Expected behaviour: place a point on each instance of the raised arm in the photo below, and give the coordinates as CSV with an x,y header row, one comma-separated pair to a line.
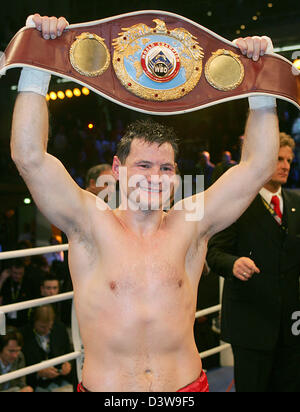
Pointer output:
x,y
229,197
55,193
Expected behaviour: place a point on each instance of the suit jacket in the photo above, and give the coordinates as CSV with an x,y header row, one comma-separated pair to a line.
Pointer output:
x,y
9,298
258,313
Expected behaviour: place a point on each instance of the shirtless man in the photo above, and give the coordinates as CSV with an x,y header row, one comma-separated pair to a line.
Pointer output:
x,y
135,273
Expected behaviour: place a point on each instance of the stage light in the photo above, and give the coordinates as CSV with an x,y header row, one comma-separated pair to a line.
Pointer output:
x,y
60,95
53,96
85,91
90,126
69,93
27,201
77,92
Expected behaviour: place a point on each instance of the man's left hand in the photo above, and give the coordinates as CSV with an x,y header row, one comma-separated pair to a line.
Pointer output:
x,y
254,47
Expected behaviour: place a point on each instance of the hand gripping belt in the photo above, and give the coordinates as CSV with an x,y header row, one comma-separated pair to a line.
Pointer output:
x,y
154,62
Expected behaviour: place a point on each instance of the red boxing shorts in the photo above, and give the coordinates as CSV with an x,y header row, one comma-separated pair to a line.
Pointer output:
x,y
81,388
199,385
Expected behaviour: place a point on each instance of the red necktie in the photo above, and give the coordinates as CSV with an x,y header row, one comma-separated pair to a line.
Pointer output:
x,y
276,205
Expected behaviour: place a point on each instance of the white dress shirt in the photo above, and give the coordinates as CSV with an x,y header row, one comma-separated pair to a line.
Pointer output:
x,y
267,195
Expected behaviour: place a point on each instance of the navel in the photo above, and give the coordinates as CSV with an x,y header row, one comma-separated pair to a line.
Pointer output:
x,y
180,282
112,285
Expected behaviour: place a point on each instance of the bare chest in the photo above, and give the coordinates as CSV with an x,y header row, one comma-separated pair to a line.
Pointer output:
x,y
136,288
126,265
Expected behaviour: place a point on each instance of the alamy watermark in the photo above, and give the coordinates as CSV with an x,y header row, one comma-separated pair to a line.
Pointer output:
x,y
139,192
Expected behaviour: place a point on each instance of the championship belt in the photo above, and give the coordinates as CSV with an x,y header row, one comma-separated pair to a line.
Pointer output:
x,y
154,62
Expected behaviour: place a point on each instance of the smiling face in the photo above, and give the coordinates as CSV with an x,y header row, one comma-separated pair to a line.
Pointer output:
x,y
150,173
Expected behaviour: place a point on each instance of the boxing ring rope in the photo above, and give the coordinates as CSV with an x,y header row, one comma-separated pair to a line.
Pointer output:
x,y
39,366
27,304
78,353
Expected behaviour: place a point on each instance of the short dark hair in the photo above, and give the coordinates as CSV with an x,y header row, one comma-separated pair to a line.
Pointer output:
x,y
148,131
95,172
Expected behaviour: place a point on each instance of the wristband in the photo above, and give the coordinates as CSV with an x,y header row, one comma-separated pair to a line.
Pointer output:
x,y
32,80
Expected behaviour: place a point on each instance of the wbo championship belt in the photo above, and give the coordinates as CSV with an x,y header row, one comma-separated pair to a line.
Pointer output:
x,y
154,62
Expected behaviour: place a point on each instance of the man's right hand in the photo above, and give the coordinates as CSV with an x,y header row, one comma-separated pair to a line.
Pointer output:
x,y
49,373
50,27
244,268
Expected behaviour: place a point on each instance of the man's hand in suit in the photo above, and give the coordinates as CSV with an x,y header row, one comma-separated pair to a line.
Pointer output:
x,y
244,268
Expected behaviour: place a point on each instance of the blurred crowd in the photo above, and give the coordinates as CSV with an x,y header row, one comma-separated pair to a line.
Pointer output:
x,y
36,334
42,333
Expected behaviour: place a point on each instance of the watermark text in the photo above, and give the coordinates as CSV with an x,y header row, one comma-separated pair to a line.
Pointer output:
x,y
152,193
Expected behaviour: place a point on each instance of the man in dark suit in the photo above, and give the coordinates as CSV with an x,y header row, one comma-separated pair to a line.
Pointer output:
x,y
259,257
15,288
45,338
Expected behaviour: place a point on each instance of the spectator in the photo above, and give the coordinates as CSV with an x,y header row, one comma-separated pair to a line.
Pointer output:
x,y
50,287
108,188
93,174
46,338
205,167
236,149
223,166
15,289
12,359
